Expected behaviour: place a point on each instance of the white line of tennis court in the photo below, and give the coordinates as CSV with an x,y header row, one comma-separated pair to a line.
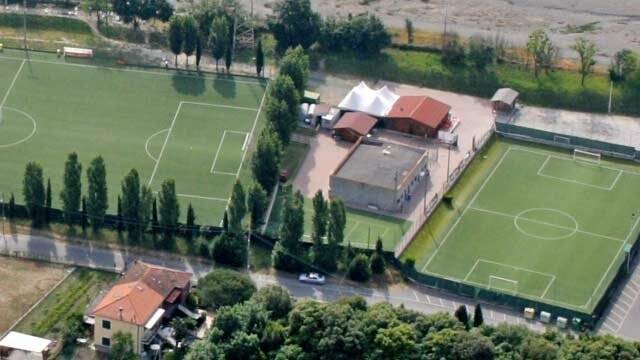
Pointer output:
x,y
544,223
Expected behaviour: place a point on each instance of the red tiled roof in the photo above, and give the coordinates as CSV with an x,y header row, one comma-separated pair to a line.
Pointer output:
x,y
140,292
357,121
423,109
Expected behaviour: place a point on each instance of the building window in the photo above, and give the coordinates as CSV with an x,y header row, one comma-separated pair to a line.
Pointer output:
x,y
106,324
106,342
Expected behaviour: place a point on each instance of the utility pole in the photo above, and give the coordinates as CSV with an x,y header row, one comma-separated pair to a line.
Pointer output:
x,y
4,219
448,161
24,22
444,32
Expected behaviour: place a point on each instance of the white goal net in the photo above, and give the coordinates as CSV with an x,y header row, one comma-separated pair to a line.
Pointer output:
x,y
503,284
561,139
587,156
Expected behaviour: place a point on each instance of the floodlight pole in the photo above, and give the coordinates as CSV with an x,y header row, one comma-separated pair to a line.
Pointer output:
x,y
448,161
444,32
4,219
24,22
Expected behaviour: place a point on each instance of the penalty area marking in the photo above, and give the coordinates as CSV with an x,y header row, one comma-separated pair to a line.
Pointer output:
x,y
33,131
215,158
146,144
549,157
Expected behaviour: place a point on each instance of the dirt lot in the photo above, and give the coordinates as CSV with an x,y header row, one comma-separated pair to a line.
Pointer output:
x,y
615,23
23,284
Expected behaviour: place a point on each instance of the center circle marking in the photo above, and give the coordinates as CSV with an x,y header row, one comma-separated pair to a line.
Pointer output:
x,y
33,124
521,217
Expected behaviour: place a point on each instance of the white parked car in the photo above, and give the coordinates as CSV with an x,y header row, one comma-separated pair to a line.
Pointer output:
x,y
312,278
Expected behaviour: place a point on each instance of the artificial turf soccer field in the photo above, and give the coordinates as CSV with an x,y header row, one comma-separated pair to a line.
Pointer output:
x,y
197,130
542,225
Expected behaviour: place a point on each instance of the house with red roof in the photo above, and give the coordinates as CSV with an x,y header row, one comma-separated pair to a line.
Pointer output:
x,y
137,303
418,115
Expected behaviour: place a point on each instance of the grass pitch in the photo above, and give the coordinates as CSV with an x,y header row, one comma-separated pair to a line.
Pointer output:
x,y
538,224
195,129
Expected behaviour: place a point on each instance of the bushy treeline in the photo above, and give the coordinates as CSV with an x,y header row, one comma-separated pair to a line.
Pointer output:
x,y
272,326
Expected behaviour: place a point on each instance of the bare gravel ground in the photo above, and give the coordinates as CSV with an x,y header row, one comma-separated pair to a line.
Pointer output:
x,y
617,22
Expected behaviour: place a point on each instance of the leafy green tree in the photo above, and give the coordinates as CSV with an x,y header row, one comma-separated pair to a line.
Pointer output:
x,y
289,352
295,64
154,215
237,208
320,218
408,27
335,231
128,10
586,50
223,287
294,23
169,210
204,350
481,52
453,52
119,220
198,51
47,202
623,65
259,58
225,222
283,259
176,36
190,42
368,35
541,50
275,299
282,109
191,223
131,203
243,346
256,204
219,38
71,193
398,342
293,222
84,222
146,207
122,347
462,315
472,346
378,266
538,348
228,58
359,269
478,318
11,208
230,249
33,192
265,163
182,327
97,200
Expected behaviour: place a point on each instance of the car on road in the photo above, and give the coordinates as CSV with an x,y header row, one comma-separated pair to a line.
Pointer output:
x,y
312,278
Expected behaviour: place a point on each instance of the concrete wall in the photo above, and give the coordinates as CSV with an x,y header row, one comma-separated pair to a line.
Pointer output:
x,y
136,332
360,194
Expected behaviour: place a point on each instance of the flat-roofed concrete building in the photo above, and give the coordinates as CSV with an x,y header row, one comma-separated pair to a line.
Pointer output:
x,y
378,176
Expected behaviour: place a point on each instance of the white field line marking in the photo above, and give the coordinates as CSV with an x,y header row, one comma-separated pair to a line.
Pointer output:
x,y
203,197
616,180
352,230
13,82
224,173
517,268
609,188
253,128
164,145
472,268
220,106
171,73
466,208
548,287
215,158
545,223
244,143
146,144
517,148
635,224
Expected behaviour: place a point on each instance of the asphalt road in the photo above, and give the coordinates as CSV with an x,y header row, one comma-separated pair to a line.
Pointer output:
x,y
416,297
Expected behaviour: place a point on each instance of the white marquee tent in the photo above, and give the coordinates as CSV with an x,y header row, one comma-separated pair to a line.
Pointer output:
x,y
373,102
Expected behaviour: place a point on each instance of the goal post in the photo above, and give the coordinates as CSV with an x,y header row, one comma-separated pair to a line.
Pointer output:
x,y
582,155
503,284
561,139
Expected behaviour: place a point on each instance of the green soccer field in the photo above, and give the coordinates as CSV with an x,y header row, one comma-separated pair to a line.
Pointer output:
x,y
541,225
195,129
